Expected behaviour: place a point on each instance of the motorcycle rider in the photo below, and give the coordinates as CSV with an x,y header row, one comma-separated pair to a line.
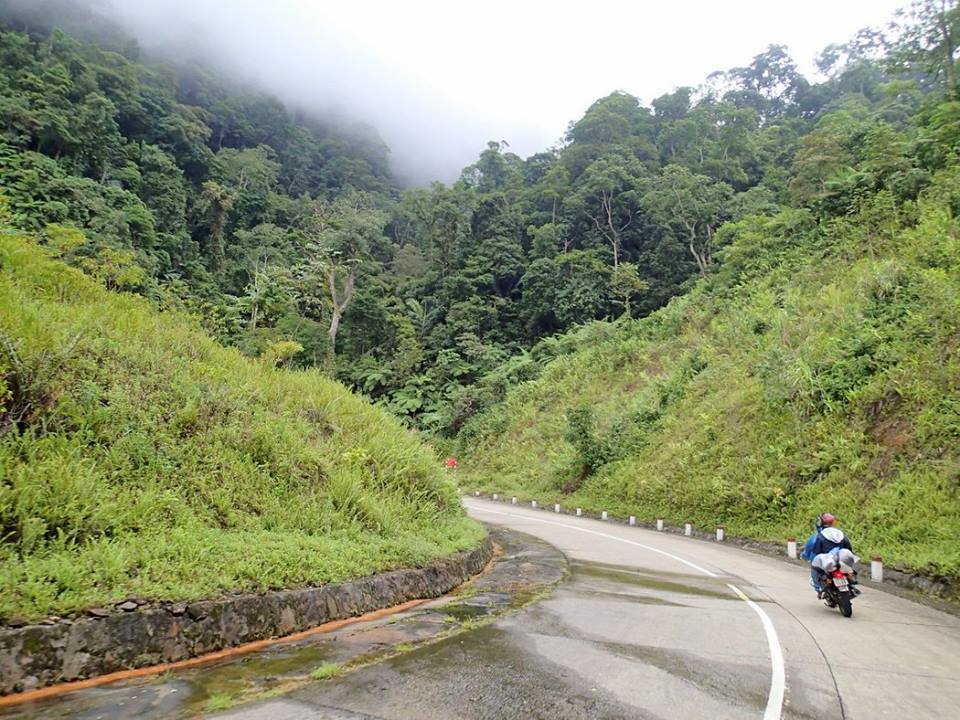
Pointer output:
x,y
826,539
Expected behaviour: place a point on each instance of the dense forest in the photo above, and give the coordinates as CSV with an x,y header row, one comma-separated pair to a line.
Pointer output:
x,y
288,238
814,366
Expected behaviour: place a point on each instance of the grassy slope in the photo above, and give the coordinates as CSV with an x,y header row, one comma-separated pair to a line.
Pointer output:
x,y
818,370
152,461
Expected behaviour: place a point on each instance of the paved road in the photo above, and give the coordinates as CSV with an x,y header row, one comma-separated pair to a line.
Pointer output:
x,y
893,659
660,626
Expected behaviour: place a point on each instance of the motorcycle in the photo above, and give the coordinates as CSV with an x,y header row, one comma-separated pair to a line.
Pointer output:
x,y
839,581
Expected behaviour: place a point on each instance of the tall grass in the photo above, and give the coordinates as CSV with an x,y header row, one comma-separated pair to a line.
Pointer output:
x,y
139,457
818,370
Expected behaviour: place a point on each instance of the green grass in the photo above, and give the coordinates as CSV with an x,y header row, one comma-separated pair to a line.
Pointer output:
x,y
219,701
326,671
475,623
137,456
819,369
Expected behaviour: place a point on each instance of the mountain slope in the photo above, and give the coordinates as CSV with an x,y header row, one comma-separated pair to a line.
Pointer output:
x,y
138,456
817,370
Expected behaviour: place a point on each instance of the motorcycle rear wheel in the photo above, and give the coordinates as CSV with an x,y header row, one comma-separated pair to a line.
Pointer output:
x,y
846,607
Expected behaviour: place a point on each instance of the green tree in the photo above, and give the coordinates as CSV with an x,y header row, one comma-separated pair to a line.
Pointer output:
x,y
555,186
607,194
441,217
341,235
825,154
565,290
928,41
771,84
218,201
692,204
626,284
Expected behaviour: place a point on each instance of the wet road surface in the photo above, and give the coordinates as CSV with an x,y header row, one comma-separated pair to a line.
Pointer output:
x,y
525,569
659,626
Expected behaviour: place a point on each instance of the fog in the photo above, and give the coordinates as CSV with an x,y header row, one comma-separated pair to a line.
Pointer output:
x,y
439,79
314,61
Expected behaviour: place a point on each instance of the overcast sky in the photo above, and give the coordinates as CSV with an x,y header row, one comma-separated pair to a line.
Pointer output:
x,y
438,79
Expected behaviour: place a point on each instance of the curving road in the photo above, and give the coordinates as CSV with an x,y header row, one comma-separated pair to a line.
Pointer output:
x,y
658,626
679,628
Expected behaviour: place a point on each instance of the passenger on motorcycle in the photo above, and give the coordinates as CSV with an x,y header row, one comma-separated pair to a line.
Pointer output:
x,y
826,539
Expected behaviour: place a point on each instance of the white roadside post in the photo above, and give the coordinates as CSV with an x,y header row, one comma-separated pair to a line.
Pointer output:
x,y
513,501
579,512
556,507
496,497
660,524
792,548
632,520
476,493
720,534
603,515
876,568
533,504
688,529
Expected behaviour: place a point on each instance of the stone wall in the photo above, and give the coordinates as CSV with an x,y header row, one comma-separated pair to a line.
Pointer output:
x,y
132,636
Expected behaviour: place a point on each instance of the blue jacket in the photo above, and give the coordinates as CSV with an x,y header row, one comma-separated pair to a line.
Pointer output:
x,y
807,553
818,544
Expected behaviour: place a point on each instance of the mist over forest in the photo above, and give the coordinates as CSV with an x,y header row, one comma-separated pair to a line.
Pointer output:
x,y
310,66
404,73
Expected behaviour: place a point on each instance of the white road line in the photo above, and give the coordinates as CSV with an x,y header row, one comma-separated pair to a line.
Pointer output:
x,y
778,675
594,532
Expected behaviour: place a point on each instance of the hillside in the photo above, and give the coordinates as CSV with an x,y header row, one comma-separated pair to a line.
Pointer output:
x,y
269,224
137,456
816,370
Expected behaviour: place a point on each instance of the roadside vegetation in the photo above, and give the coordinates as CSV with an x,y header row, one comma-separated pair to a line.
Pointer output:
x,y
326,671
814,368
139,457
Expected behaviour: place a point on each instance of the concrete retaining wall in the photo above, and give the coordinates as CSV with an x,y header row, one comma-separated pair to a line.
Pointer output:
x,y
37,655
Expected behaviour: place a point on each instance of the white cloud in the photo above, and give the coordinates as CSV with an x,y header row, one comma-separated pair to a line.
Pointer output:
x,y
439,79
